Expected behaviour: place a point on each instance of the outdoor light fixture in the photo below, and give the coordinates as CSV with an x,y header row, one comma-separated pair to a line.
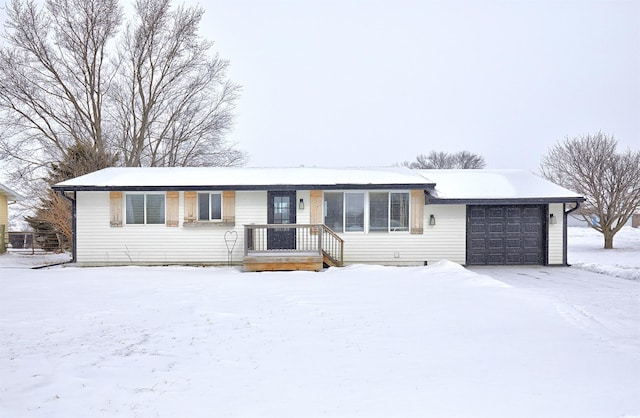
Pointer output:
x,y
301,204
432,220
552,219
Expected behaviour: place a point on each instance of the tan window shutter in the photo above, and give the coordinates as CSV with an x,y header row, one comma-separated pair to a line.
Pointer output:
x,y
173,208
115,204
229,206
417,211
315,205
190,206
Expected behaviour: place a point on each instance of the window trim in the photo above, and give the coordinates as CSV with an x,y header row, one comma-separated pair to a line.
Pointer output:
x,y
145,222
209,193
367,211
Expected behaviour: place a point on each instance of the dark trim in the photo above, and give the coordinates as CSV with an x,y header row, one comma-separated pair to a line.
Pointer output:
x,y
497,201
546,226
346,186
564,234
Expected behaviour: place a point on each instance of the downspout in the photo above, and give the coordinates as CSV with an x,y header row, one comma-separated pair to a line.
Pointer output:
x,y
564,232
73,223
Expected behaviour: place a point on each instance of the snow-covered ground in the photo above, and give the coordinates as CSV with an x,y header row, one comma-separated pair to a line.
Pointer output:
x,y
361,341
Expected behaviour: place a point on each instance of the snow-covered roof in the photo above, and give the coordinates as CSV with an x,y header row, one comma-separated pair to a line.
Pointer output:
x,y
494,185
11,195
245,178
450,185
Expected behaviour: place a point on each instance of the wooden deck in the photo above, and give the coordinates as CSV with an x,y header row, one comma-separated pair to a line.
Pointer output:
x,y
315,247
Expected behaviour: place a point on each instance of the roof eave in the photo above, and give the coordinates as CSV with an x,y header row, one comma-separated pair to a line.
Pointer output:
x,y
504,201
262,187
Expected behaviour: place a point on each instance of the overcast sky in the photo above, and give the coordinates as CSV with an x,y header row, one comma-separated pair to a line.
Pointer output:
x,y
354,82
370,83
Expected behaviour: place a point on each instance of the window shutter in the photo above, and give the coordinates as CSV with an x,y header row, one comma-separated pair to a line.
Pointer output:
x,y
229,206
190,206
173,207
115,204
315,207
417,211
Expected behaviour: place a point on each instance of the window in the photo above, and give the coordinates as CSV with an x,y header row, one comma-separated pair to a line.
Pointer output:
x,y
209,206
334,211
145,208
399,219
385,211
378,212
354,213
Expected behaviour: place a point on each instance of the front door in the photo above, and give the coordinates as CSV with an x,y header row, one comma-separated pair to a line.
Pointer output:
x,y
282,210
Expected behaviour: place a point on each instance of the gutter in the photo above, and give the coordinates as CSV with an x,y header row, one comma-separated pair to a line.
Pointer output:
x,y
73,222
564,231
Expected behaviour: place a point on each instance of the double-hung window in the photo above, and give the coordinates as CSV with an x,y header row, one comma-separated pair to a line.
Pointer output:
x,y
210,206
145,208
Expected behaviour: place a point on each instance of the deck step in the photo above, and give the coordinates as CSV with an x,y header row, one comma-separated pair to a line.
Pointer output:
x,y
287,262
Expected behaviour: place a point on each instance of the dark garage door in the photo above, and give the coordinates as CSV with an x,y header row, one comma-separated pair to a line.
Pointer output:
x,y
505,235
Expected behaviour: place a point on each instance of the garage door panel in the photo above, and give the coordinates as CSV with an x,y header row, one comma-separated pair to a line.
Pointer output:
x,y
496,212
504,235
513,228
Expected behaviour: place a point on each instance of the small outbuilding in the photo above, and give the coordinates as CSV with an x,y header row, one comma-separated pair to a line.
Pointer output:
x,y
308,217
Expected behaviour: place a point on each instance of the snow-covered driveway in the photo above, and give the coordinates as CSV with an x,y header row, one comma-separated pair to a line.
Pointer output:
x,y
606,306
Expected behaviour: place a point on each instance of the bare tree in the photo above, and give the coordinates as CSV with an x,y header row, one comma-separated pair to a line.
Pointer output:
x,y
444,160
468,160
610,181
52,78
173,101
161,100
51,220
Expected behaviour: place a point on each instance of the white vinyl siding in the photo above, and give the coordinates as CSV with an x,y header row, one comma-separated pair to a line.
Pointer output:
x,y
556,234
101,244
444,241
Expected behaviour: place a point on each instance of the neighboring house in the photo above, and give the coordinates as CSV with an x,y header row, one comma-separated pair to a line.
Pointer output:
x,y
7,196
300,218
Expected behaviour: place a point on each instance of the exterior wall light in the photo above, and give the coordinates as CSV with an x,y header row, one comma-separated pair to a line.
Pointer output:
x,y
301,204
432,220
552,219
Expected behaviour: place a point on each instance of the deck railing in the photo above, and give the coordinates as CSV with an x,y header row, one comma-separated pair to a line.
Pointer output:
x,y
294,238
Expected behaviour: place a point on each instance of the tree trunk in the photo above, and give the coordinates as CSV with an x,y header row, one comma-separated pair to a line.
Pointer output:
x,y
608,240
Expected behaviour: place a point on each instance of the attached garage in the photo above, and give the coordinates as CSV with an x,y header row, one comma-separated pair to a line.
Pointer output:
x,y
512,216
506,234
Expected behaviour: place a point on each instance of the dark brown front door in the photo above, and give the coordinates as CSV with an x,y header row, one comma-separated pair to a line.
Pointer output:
x,y
282,210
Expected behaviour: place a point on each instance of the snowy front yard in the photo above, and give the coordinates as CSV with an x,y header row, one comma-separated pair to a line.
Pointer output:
x,y
361,341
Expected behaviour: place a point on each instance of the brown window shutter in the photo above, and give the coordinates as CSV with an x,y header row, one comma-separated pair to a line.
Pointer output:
x,y
229,206
417,211
173,208
190,206
115,204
